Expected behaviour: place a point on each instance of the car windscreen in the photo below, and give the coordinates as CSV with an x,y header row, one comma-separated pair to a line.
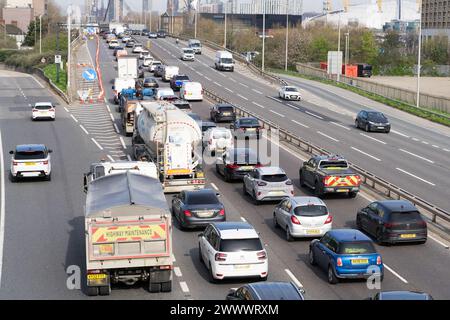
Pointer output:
x,y
376,117
292,89
195,44
226,109
361,247
333,164
43,107
311,211
405,216
249,123
188,51
32,155
221,135
227,60
202,198
237,245
274,177
179,78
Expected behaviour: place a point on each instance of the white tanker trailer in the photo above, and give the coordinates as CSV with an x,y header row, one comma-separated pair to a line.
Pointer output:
x,y
172,140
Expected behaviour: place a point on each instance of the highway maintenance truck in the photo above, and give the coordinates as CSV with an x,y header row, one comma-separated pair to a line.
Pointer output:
x,y
172,140
128,234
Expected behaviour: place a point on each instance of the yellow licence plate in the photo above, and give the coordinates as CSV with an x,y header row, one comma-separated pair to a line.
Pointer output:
x,y
360,261
242,266
96,276
407,236
341,190
30,163
313,231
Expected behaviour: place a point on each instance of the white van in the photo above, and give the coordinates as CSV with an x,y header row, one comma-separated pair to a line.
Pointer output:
x,y
224,61
169,72
195,45
191,91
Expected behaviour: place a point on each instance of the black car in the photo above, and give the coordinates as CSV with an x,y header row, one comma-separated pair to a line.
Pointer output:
x,y
150,82
182,105
177,81
158,71
222,113
235,163
391,221
117,49
161,34
130,44
169,98
370,120
198,208
401,295
267,291
207,125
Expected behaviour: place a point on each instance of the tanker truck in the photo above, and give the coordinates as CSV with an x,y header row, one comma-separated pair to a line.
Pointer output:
x,y
172,140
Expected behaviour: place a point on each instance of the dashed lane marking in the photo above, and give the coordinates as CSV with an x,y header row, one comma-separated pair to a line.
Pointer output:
x,y
243,219
184,287
279,114
229,90
291,275
115,127
365,135
84,129
327,136
217,84
259,92
128,157
177,272
257,104
341,126
314,115
414,176
123,142
365,153
400,134
75,119
395,273
417,156
214,186
241,96
98,145
438,241
300,124
110,158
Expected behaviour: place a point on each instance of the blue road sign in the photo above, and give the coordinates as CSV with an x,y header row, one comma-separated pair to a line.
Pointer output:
x,y
89,74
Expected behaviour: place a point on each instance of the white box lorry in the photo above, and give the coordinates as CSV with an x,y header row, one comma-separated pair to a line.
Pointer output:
x,y
127,67
128,234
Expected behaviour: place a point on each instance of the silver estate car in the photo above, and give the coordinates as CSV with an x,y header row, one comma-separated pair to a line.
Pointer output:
x,y
268,184
302,217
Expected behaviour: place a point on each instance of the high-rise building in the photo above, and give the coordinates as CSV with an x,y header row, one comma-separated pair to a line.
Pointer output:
x,y
436,18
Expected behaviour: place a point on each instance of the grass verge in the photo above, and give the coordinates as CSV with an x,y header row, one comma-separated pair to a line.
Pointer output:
x,y
50,72
434,115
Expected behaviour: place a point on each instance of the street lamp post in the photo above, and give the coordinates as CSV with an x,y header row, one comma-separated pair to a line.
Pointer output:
x,y
40,34
287,35
419,60
339,44
264,36
347,47
196,18
225,27
69,27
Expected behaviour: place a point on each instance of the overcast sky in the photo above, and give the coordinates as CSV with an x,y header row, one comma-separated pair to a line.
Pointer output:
x,y
160,5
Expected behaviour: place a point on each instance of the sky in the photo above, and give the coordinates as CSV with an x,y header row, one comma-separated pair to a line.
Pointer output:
x,y
160,5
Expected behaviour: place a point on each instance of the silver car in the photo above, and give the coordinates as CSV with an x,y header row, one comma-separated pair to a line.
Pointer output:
x,y
268,184
246,128
302,217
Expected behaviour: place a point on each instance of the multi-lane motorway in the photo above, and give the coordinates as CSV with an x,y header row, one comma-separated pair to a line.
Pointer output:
x,y
43,221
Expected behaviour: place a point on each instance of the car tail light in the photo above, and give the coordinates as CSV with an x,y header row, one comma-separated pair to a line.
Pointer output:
x,y
379,260
259,193
262,183
258,165
220,256
222,212
51,109
339,262
187,213
165,267
232,166
210,141
329,219
262,255
35,110
15,163
45,162
289,183
292,192
422,223
325,180
295,220
389,225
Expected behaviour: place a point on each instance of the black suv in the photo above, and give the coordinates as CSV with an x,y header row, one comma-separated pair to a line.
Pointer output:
x,y
391,221
370,120
222,113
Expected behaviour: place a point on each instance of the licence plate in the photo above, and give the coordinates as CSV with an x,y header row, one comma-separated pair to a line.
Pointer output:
x,y
341,190
30,163
96,276
360,261
242,266
226,113
205,214
380,127
251,129
408,236
246,168
313,231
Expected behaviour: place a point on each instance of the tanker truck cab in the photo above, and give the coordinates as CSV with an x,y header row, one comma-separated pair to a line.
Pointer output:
x,y
128,234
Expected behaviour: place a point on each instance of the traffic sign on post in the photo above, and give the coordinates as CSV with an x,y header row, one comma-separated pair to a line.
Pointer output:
x,y
57,58
89,74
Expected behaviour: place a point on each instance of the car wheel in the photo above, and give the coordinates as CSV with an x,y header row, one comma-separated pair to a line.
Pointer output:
x,y
289,235
379,236
275,221
312,258
200,257
317,191
358,223
301,179
48,178
13,178
332,279
255,199
166,286
352,194
104,290
211,275
217,169
387,130
227,176
244,189
154,287
356,124
367,128
92,291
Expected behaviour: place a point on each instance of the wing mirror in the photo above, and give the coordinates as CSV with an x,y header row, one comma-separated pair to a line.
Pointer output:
x,y
50,150
11,152
113,87
200,235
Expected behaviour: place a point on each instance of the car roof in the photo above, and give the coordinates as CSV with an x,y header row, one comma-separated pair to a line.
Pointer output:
x,y
275,291
348,235
404,295
235,230
30,147
290,87
227,105
397,205
220,129
38,104
271,170
304,201
200,192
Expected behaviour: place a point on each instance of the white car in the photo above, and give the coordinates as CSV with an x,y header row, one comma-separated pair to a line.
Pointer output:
x,y
113,44
138,48
144,54
162,92
217,140
232,250
268,184
302,217
187,54
43,110
153,65
125,39
289,93
147,61
31,160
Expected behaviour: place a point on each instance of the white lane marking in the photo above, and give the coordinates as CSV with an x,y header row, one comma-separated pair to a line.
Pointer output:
x,y
414,176
435,146
438,241
207,78
400,134
340,125
243,219
184,287
292,106
232,79
2,205
244,85
84,129
259,92
325,135
111,158
214,186
446,150
112,117
369,155
75,119
217,84
67,110
415,139
242,97
229,90
257,104
395,273
107,107
98,145
415,155
40,84
279,114
115,127
275,99
128,157
314,115
200,74
123,142
173,258
424,142
300,124
296,281
365,135
177,272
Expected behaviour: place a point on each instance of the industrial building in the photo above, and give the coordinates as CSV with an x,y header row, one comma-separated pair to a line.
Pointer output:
x,y
436,18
